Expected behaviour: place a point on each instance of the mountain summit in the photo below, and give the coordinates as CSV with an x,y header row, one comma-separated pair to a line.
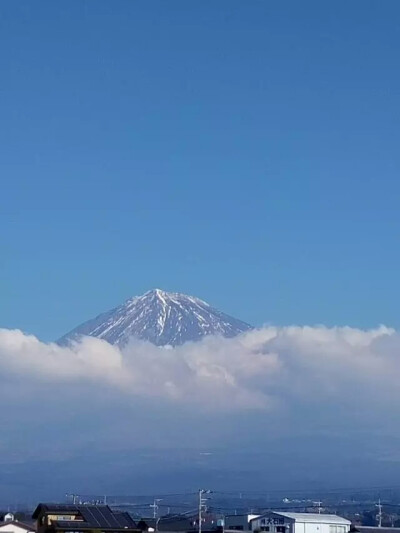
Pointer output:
x,y
163,318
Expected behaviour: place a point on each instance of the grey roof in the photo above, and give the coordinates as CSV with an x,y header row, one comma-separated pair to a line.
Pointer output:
x,y
94,516
168,523
102,516
311,517
242,514
56,507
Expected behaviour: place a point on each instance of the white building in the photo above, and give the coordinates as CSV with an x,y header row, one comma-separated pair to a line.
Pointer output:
x,y
282,522
12,526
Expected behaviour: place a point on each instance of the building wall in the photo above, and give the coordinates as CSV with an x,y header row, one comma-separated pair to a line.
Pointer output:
x,y
312,527
273,523
55,517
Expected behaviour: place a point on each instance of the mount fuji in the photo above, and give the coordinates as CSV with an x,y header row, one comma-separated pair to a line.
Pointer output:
x,y
162,318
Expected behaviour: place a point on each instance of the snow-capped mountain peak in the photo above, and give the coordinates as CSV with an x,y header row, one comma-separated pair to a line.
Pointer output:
x,y
163,318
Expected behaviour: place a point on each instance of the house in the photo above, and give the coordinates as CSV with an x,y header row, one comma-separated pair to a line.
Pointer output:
x,y
63,518
282,522
7,517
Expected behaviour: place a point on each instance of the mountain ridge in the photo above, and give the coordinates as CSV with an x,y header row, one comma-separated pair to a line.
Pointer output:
x,y
160,317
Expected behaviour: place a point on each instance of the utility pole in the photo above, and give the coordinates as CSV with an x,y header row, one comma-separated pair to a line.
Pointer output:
x,y
202,502
379,515
74,498
155,506
200,508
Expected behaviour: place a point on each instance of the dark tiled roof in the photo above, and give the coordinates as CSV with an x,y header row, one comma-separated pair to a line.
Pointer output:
x,y
171,523
94,516
56,507
102,516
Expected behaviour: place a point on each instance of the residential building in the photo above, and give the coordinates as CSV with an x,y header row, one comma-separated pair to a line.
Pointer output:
x,y
61,518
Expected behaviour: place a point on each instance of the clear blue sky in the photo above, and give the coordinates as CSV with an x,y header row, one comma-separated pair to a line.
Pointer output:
x,y
247,152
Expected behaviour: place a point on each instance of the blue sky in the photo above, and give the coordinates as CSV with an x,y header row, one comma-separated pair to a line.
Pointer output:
x,y
244,152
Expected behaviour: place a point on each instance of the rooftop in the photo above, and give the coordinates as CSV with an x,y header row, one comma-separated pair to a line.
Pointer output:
x,y
90,516
313,517
22,525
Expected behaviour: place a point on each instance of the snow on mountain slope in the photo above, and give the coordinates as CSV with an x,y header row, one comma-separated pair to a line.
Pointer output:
x,y
163,318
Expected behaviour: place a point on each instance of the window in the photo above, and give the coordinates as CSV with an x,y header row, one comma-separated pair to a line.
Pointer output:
x,y
337,529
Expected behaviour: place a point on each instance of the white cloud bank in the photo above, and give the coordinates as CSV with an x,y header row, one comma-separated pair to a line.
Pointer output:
x,y
270,368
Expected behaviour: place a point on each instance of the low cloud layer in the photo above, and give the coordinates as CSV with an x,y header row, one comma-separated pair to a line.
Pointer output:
x,y
299,400
269,369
